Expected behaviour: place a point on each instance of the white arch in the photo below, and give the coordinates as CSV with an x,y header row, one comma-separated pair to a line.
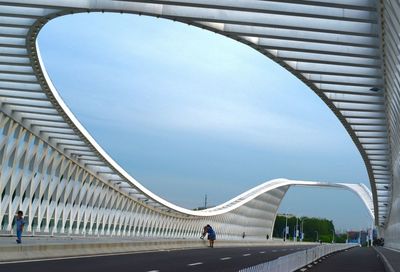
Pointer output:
x,y
359,189
334,47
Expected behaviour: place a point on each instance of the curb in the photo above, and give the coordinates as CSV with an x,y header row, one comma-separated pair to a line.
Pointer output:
x,y
50,251
386,263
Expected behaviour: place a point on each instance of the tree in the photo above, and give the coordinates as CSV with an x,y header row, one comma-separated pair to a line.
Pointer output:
x,y
311,226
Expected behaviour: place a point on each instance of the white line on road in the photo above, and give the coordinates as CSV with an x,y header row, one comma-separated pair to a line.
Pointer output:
x,y
262,252
247,254
193,264
225,258
154,271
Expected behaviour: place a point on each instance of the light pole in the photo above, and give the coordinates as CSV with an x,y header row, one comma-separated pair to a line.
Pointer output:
x,y
302,229
317,234
286,231
296,233
372,232
333,236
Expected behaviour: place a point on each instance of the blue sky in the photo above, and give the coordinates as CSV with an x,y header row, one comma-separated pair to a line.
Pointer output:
x,y
188,112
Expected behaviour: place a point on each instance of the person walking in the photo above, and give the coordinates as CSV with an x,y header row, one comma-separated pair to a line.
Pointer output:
x,y
20,222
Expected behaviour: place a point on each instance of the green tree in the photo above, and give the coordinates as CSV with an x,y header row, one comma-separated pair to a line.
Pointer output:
x,y
311,226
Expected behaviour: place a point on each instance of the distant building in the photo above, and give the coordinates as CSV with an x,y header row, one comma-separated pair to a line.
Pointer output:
x,y
360,237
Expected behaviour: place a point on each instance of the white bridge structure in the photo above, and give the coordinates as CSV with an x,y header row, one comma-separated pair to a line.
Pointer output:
x,y
346,51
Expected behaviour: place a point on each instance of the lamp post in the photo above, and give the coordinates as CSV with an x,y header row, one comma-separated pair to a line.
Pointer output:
x,y
302,229
333,236
372,233
317,234
284,239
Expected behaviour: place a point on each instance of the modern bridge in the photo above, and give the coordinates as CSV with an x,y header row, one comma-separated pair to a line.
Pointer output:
x,y
346,51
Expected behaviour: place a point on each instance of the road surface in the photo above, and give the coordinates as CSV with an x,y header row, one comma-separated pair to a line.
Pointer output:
x,y
206,259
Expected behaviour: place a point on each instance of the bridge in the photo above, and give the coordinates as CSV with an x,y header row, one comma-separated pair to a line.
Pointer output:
x,y
52,168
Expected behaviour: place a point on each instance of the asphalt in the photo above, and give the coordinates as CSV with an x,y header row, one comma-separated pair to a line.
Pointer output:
x,y
353,260
207,259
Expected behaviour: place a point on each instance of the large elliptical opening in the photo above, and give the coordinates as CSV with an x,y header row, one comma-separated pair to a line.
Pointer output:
x,y
215,129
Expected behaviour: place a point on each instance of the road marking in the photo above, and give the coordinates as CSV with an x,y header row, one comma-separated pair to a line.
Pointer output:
x,y
225,258
262,252
154,271
303,269
274,250
193,264
247,254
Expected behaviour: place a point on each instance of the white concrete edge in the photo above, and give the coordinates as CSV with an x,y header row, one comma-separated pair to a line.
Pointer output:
x,y
385,261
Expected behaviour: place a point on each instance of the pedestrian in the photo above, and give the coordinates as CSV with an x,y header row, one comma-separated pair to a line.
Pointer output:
x,y
20,222
211,234
243,234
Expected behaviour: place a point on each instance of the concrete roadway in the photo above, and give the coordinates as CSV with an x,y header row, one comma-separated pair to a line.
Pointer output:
x,y
206,259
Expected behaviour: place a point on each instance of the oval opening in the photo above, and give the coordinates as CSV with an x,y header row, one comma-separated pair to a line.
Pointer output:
x,y
191,113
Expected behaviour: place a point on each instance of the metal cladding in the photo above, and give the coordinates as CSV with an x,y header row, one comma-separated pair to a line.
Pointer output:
x,y
390,16
344,50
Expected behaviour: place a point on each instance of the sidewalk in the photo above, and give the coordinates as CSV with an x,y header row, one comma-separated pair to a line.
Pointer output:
x,y
390,258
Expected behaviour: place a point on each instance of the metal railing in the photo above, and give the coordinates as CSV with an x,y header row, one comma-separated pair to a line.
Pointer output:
x,y
298,260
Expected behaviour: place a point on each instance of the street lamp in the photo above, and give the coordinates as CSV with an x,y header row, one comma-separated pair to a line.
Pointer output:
x,y
302,229
317,234
333,235
284,239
